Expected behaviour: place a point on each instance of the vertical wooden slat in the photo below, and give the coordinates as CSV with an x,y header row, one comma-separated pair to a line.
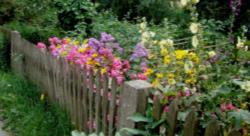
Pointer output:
x,y
190,125
79,98
105,104
85,99
112,108
172,117
213,128
98,103
90,100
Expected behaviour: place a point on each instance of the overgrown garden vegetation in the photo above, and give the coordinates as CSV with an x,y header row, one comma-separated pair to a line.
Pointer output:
x,y
189,49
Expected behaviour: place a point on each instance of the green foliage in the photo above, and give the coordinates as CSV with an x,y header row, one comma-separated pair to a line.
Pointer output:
x,y
75,15
4,52
33,33
25,114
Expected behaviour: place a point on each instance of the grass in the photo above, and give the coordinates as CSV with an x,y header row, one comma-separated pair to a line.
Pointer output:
x,y
23,112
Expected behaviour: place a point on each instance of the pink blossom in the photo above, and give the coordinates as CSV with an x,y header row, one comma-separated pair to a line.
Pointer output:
x,y
166,109
133,76
230,106
115,73
187,93
142,76
41,45
120,79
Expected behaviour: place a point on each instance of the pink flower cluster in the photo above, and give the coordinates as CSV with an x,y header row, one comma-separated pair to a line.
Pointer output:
x,y
227,107
94,53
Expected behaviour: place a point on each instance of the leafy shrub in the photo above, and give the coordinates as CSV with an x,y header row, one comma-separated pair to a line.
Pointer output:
x,y
4,52
33,33
75,15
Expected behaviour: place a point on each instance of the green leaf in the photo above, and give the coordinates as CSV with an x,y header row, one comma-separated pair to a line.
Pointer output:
x,y
137,117
240,116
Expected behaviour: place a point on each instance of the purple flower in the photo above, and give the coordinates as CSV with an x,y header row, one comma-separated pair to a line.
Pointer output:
x,y
94,43
139,52
107,37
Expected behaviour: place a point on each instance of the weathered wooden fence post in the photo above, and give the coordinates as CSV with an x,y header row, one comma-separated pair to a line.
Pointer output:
x,y
16,56
133,100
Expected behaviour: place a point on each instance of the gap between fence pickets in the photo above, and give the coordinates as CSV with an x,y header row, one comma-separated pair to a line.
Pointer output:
x,y
133,97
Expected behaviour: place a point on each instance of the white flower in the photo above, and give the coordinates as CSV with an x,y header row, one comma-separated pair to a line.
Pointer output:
x,y
195,41
184,3
194,27
143,25
167,42
211,54
240,43
245,86
195,1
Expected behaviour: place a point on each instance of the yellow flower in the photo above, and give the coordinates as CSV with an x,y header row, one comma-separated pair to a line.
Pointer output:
x,y
155,83
170,75
195,41
193,57
82,49
103,70
180,54
148,72
166,59
159,75
171,82
194,28
76,42
164,52
94,55
68,40
85,41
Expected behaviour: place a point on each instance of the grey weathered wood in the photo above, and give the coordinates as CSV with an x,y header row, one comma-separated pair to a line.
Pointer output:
x,y
172,117
105,104
157,107
90,102
133,100
112,108
213,128
190,125
84,99
98,103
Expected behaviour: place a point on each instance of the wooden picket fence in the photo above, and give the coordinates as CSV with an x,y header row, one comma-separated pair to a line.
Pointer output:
x,y
95,102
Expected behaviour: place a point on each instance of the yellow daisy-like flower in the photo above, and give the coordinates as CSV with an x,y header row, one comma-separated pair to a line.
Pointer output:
x,y
103,70
164,52
211,54
180,54
171,75
171,82
155,83
166,59
76,43
85,41
82,49
94,55
159,75
148,72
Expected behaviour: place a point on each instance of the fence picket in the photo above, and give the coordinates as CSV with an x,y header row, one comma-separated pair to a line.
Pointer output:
x,y
172,117
190,125
112,107
105,104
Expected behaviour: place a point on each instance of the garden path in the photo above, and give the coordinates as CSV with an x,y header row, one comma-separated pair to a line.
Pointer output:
x,y
3,133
